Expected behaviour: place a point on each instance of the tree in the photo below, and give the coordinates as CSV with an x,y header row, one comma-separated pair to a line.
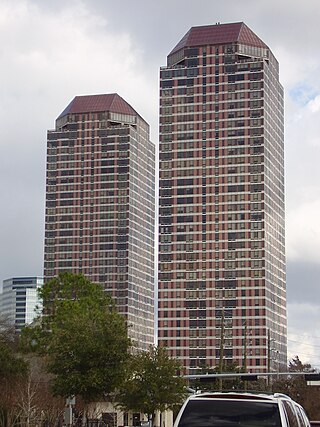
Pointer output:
x,y
34,400
153,383
82,337
295,365
297,388
13,372
11,365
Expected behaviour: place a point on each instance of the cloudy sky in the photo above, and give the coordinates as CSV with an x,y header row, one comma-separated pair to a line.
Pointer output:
x,y
52,50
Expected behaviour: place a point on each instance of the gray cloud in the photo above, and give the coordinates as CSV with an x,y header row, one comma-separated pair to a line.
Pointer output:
x,y
303,297
303,283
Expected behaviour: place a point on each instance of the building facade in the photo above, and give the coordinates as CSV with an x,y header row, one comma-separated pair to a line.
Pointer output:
x,y
222,290
100,204
19,300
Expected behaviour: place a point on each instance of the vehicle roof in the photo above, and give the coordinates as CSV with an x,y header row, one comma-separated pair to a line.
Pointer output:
x,y
240,396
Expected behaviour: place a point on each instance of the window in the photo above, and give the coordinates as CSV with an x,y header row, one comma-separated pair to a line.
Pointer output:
x,y
222,412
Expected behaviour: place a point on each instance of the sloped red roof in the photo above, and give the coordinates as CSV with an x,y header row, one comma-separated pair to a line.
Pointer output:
x,y
219,34
96,103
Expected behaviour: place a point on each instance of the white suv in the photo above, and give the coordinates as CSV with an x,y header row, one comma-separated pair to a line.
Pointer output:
x,y
241,410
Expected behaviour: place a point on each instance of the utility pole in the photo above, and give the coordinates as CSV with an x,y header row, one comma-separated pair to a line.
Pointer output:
x,y
269,359
221,349
245,348
245,353
68,412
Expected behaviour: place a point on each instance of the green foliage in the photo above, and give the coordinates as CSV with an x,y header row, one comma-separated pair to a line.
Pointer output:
x,y
11,365
82,336
152,383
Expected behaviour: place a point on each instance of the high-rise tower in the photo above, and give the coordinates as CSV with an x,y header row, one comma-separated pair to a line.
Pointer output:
x,y
100,204
222,291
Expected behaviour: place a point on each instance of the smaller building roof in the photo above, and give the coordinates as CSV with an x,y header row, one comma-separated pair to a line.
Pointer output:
x,y
219,34
98,103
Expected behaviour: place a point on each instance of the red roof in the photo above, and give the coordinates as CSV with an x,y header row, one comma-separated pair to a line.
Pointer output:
x,y
98,103
219,34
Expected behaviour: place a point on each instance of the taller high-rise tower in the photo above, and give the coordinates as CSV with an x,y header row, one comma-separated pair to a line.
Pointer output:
x,y
100,204
222,291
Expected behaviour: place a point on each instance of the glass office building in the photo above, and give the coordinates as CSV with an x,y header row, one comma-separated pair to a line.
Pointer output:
x,y
19,300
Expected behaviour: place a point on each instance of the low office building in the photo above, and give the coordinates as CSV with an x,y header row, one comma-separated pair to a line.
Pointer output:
x,y
19,299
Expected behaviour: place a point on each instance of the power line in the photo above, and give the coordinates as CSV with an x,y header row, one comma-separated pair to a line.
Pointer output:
x,y
297,353
312,376
299,342
306,354
307,336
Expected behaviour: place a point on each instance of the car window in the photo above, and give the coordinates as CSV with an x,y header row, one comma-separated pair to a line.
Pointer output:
x,y
222,413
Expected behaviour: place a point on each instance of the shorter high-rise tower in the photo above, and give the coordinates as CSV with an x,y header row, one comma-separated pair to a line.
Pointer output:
x,y
100,204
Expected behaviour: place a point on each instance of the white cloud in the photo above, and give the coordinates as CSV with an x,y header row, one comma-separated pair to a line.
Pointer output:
x,y
302,183
52,56
303,333
314,104
49,56
303,232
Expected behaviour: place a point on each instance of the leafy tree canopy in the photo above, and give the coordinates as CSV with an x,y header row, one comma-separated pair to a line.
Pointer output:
x,y
11,365
82,336
295,365
297,388
152,383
